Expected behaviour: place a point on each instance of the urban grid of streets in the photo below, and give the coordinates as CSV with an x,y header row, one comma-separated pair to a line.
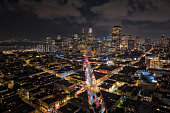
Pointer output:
x,y
82,84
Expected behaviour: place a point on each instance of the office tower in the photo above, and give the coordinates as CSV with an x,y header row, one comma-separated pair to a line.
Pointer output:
x,y
137,40
70,44
75,36
53,46
75,42
104,44
90,42
90,38
148,44
58,43
50,45
83,38
58,37
124,42
162,43
109,43
97,45
47,44
40,48
131,44
83,42
64,45
167,45
162,40
116,37
137,43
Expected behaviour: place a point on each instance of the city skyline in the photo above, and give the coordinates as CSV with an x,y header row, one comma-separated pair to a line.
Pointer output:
x,y
85,56
37,19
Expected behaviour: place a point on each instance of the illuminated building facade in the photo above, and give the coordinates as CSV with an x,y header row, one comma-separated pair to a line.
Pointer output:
x,y
70,44
83,42
124,42
163,41
90,37
50,45
148,44
116,37
58,42
156,64
40,48
83,39
131,44
152,62
137,43
165,45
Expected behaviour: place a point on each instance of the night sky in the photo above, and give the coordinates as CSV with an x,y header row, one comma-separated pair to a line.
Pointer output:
x,y
36,19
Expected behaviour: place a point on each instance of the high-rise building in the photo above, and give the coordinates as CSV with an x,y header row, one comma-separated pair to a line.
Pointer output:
x,y
109,44
148,44
90,37
116,37
53,46
50,45
58,42
83,37
40,48
164,45
65,45
47,44
90,42
124,42
137,43
83,42
167,45
75,41
131,44
58,37
162,40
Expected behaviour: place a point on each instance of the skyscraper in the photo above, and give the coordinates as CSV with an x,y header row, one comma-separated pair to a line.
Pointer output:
x,y
58,42
90,37
116,37
137,43
131,44
83,39
148,44
162,40
124,41
50,45
83,42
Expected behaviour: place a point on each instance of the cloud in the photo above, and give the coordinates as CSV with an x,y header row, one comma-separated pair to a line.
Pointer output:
x,y
111,10
51,9
110,13
137,10
135,16
149,10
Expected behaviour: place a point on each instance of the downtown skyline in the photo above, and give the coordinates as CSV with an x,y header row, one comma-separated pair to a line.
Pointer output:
x,y
85,56
37,19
